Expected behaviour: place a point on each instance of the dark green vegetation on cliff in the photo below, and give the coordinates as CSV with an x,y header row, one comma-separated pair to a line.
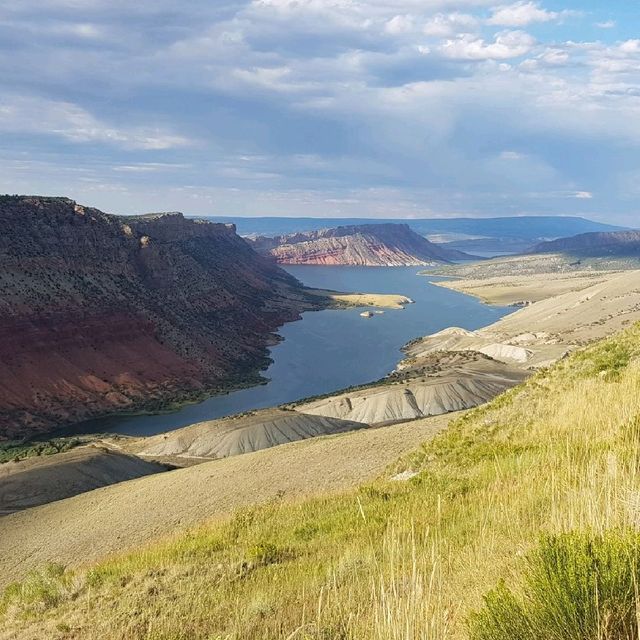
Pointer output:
x,y
541,481
101,314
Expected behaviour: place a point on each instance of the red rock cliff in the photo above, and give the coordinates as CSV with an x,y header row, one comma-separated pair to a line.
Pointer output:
x,y
100,313
387,244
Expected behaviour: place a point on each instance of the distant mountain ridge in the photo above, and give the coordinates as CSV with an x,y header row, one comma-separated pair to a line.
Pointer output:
x,y
620,243
102,313
391,245
532,227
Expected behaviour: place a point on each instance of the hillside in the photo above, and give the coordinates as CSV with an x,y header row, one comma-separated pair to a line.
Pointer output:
x,y
89,527
555,458
620,243
541,333
102,314
241,434
391,245
428,385
524,279
40,480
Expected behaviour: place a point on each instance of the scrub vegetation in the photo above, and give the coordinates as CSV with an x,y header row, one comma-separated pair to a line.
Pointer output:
x,y
521,523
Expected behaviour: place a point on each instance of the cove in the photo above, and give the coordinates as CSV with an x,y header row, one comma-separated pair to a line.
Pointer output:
x,y
329,350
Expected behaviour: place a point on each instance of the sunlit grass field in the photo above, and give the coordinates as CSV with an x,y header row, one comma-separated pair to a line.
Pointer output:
x,y
493,502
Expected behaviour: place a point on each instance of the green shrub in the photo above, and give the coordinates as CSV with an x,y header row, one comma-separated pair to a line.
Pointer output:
x,y
266,553
576,586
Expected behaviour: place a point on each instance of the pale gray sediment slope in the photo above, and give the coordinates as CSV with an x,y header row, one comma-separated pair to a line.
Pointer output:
x,y
241,434
541,333
430,385
39,480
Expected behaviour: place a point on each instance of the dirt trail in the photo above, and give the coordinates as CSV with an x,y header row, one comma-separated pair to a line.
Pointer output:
x,y
83,529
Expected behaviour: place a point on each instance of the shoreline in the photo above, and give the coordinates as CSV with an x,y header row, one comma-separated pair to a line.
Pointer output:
x,y
322,299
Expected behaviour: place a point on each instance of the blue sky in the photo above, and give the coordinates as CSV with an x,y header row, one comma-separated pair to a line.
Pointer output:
x,y
410,108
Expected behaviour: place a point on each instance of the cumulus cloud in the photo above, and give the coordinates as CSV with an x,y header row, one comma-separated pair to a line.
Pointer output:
x,y
630,46
448,24
521,14
508,44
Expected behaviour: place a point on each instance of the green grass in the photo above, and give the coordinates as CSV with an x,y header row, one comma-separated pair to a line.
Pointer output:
x,y
392,560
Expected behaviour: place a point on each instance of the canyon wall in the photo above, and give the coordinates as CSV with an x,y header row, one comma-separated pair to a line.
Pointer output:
x,y
102,314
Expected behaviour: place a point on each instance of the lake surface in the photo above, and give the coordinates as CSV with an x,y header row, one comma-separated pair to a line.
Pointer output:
x,y
332,349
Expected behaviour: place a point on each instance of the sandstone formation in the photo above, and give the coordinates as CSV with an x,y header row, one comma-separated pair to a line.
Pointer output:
x,y
101,313
372,245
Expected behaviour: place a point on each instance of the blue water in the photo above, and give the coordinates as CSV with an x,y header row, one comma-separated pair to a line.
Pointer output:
x,y
333,349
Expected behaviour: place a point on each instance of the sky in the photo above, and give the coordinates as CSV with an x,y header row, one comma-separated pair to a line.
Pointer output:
x,y
331,108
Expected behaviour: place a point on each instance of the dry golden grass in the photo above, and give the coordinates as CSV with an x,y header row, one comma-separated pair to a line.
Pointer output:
x,y
392,560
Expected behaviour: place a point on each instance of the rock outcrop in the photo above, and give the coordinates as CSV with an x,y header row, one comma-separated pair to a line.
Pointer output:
x,y
390,245
103,314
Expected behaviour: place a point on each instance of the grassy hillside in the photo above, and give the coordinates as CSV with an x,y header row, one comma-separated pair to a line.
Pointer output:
x,y
401,559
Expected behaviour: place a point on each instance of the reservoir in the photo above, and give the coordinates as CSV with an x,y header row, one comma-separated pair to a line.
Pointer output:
x,y
332,349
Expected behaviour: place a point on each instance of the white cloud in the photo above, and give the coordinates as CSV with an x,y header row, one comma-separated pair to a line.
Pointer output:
x,y
399,24
630,46
508,44
555,57
447,24
521,14
445,102
71,122
608,24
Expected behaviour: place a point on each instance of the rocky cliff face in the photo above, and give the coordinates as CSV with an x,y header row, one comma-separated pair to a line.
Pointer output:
x,y
621,243
100,313
391,245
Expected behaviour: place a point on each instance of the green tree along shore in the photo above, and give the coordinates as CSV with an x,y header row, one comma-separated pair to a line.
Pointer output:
x,y
516,497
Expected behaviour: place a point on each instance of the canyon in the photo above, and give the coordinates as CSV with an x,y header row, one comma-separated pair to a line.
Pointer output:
x,y
102,314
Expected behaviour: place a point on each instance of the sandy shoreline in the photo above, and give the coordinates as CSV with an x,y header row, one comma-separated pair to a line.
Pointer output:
x,y
381,300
